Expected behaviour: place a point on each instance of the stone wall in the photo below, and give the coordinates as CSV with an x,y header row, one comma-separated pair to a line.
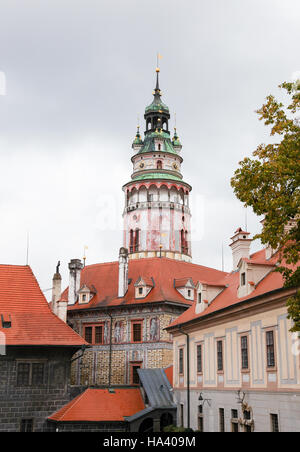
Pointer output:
x,y
33,402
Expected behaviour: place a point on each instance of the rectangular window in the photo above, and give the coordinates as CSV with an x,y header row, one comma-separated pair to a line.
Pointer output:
x,y
189,292
88,334
270,349
220,355
136,332
234,421
140,291
221,420
244,351
274,423
181,360
23,374
26,425
199,358
243,279
135,380
37,374
99,334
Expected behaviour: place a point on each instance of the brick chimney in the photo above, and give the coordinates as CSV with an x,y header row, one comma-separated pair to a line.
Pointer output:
x,y
240,246
56,289
75,267
123,272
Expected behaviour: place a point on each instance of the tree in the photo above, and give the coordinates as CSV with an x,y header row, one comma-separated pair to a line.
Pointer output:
x,y
270,184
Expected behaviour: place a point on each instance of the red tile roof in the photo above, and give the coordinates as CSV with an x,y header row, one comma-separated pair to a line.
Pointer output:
x,y
169,374
96,405
163,271
228,297
32,321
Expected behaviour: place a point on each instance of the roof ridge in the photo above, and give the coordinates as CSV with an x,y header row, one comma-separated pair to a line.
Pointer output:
x,y
79,397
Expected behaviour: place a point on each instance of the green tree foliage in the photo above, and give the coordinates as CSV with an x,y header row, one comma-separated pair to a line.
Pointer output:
x,y
270,183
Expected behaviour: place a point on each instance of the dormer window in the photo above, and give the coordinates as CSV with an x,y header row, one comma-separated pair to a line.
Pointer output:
x,y
189,293
83,298
243,279
199,297
143,286
140,291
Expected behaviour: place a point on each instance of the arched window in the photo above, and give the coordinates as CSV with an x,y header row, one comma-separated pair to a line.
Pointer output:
x,y
136,240
131,241
159,163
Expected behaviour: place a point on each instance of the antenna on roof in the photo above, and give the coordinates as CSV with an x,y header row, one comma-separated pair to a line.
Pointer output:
x,y
222,258
84,256
27,248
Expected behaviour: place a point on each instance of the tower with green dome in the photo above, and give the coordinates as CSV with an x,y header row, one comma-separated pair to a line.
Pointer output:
x,y
157,214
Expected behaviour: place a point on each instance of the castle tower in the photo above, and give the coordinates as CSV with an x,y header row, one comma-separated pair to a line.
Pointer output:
x,y
156,214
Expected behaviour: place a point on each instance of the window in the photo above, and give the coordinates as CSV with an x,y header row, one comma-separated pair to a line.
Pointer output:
x,y
83,297
136,240
88,334
135,379
221,420
243,279
37,374
199,358
270,349
220,355
234,421
26,425
181,360
94,334
131,241
99,334
30,374
244,351
136,331
189,293
140,291
274,423
23,374
199,297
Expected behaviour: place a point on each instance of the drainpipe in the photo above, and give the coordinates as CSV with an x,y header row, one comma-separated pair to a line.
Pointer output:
x,y
110,350
188,374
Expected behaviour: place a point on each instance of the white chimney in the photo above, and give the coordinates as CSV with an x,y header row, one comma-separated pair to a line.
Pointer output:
x,y
123,272
62,310
75,267
240,246
56,289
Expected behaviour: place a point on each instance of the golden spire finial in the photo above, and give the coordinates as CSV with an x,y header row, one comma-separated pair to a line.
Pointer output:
x,y
158,57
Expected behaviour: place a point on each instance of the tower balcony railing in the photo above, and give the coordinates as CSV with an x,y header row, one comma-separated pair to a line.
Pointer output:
x,y
156,204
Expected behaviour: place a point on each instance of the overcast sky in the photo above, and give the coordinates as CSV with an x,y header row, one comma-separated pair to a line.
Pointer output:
x,y
77,75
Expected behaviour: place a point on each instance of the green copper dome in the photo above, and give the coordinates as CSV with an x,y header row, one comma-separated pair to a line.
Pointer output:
x,y
157,176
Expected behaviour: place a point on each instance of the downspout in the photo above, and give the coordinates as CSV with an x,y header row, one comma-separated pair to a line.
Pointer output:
x,y
187,374
110,350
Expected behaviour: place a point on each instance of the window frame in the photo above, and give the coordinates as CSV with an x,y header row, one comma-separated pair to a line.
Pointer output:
x,y
244,336
272,365
199,361
137,322
30,363
220,354
181,361
93,326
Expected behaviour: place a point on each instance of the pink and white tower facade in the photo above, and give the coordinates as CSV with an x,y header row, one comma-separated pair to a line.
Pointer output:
x,y
157,215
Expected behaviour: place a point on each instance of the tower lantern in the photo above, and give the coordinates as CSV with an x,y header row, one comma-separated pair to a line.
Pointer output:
x,y
157,214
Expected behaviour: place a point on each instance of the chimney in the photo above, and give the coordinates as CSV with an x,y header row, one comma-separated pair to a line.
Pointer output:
x,y
62,310
75,267
123,272
56,289
240,246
